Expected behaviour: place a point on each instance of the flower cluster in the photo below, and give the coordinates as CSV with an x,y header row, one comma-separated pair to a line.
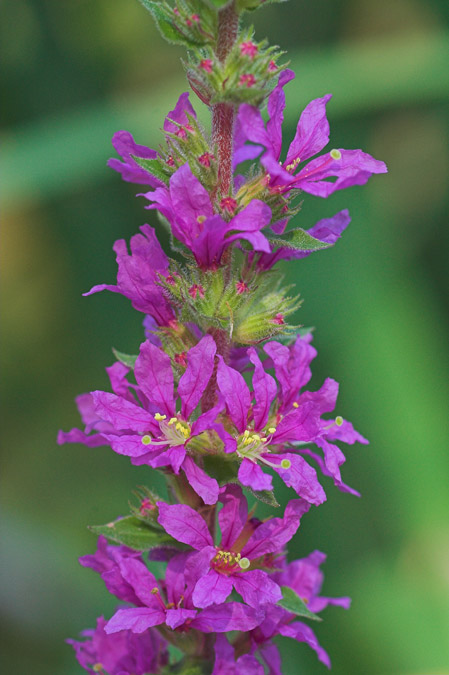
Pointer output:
x,y
217,398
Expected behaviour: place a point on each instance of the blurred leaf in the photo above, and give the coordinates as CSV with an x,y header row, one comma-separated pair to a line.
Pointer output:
x,y
153,166
299,240
296,605
128,360
132,532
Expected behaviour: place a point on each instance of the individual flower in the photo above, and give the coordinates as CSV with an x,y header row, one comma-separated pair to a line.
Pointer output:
x,y
138,276
237,561
176,122
154,433
349,167
167,602
272,426
305,578
187,206
123,654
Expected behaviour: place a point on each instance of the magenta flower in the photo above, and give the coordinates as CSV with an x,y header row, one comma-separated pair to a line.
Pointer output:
x,y
187,206
153,432
138,276
305,578
268,421
261,434
349,167
170,602
123,654
176,122
236,562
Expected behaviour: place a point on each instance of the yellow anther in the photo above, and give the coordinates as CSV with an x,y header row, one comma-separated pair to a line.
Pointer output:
x,y
178,426
247,441
158,417
244,563
286,464
146,440
295,404
335,154
154,590
97,667
246,433
238,556
172,420
200,219
339,421
272,430
294,164
256,437
264,440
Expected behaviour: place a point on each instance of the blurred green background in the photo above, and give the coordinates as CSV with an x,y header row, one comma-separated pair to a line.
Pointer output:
x,y
73,73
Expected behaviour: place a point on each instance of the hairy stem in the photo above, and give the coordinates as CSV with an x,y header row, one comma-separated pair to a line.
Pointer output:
x,y
223,114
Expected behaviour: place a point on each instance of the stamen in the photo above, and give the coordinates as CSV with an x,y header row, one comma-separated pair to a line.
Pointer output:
x,y
286,464
158,417
295,404
172,420
272,430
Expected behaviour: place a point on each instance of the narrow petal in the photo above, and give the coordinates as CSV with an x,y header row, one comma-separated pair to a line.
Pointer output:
x,y
233,516
200,366
179,113
251,475
212,589
141,580
302,633
271,656
256,588
253,127
189,198
276,105
312,133
301,424
177,617
235,392
154,376
185,525
122,414
273,534
227,617
129,445
136,619
131,172
325,398
302,478
205,486
78,436
265,390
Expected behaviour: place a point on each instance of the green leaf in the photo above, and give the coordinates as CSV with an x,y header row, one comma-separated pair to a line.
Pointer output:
x,y
265,496
132,532
296,605
165,24
128,360
299,240
153,166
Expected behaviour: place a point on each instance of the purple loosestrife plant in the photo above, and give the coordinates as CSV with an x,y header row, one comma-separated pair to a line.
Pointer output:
x,y
217,398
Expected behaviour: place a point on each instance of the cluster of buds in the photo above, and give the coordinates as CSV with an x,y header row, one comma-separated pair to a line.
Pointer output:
x,y
217,399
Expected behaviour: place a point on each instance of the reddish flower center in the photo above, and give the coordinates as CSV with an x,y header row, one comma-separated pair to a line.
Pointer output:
x,y
249,49
228,562
206,64
228,204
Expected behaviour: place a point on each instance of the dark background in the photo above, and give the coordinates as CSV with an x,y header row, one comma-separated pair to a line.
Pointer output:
x,y
73,73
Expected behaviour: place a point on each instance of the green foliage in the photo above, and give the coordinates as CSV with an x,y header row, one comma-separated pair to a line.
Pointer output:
x,y
128,360
296,605
131,531
154,167
298,240
264,496
181,27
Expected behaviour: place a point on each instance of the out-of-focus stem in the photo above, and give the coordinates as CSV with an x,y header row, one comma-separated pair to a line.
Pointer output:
x,y
223,114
